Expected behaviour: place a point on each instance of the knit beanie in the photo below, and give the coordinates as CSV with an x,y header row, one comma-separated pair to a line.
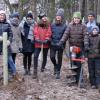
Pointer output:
x,y
41,15
16,14
60,12
29,15
91,14
77,15
2,12
95,27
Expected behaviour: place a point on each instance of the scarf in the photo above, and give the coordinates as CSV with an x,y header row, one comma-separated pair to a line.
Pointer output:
x,y
30,34
90,25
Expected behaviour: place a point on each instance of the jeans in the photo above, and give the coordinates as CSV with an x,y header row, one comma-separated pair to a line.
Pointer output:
x,y
11,65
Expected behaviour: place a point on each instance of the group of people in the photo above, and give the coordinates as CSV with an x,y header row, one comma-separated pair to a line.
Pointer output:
x,y
31,37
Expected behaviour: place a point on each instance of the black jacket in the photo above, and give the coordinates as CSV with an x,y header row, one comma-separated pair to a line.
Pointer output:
x,y
27,44
5,27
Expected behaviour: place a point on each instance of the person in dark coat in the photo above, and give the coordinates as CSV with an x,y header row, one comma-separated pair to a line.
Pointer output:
x,y
27,41
94,57
58,28
5,27
75,33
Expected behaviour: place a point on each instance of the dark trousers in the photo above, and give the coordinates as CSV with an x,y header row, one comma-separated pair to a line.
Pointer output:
x,y
94,70
36,55
14,56
27,59
56,62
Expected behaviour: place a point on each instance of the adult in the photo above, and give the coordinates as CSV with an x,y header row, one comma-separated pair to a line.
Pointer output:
x,y
75,33
42,35
58,28
27,42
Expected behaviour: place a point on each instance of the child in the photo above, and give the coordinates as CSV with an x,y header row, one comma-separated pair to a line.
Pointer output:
x,y
94,58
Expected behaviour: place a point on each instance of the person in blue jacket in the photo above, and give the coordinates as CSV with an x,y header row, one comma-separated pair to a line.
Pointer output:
x,y
58,29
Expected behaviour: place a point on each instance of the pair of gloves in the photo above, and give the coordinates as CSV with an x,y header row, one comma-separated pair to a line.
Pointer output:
x,y
42,42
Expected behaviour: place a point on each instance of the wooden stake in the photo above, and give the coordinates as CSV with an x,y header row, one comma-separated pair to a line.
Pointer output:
x,y
5,59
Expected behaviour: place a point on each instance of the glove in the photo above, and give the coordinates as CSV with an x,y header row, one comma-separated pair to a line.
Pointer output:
x,y
1,39
20,50
8,42
38,41
46,42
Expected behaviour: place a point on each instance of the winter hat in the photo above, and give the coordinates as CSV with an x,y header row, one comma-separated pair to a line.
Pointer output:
x,y
60,12
2,12
29,15
29,11
91,14
41,15
95,27
16,14
77,15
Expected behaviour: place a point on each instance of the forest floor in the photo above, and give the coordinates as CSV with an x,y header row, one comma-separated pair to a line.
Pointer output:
x,y
47,87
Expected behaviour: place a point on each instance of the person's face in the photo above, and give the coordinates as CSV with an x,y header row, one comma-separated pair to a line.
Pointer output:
x,y
91,17
44,20
58,19
76,20
2,17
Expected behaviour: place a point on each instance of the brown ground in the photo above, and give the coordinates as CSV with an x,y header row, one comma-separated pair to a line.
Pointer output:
x,y
47,87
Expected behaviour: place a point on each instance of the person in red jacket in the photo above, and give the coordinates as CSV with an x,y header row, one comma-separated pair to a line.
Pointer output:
x,y
42,35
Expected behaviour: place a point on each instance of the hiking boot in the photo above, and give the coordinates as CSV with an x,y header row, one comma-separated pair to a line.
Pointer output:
x,y
17,77
57,75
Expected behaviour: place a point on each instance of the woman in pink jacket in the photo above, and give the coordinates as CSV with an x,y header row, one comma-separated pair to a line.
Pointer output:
x,y
42,35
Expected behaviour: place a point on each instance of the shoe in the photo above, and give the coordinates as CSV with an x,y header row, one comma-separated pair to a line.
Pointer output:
x,y
98,87
55,70
35,76
29,72
26,72
17,77
93,87
57,75
42,69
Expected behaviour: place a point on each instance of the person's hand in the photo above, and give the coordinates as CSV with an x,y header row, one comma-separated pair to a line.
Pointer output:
x,y
38,41
45,42
20,50
8,42
1,39
60,44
